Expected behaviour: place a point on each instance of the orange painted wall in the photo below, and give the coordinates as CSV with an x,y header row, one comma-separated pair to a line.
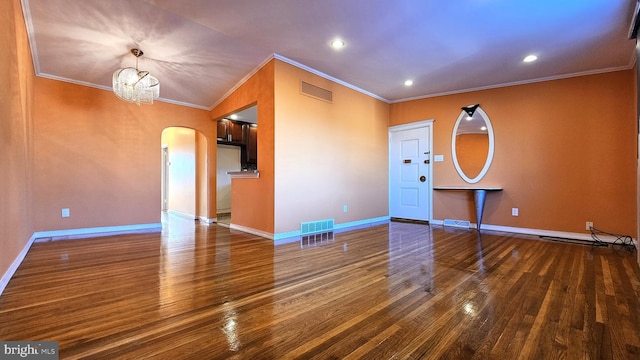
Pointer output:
x,y
565,153
252,200
101,157
16,141
328,154
471,152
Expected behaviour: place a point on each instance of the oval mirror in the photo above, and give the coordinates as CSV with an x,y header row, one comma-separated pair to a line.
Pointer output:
x,y
472,144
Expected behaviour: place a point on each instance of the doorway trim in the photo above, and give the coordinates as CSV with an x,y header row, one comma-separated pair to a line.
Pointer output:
x,y
165,178
411,126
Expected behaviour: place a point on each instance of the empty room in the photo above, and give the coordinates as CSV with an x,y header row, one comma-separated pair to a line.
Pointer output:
x,y
319,179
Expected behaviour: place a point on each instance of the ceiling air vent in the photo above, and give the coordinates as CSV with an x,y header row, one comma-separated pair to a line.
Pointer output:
x,y
316,92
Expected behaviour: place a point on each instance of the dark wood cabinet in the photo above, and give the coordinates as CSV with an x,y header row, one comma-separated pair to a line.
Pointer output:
x,y
222,130
241,134
252,144
234,129
230,131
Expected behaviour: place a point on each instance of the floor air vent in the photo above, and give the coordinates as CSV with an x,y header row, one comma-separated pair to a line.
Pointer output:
x,y
316,92
313,227
457,223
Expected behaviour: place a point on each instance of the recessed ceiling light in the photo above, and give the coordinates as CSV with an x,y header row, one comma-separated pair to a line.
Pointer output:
x,y
337,43
530,58
234,117
408,82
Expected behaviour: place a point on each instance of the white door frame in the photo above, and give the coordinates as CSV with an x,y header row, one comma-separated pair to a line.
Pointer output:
x,y
165,178
411,126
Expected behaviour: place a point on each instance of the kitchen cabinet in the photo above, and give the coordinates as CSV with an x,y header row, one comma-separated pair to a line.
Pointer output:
x,y
234,129
252,144
222,130
245,135
230,131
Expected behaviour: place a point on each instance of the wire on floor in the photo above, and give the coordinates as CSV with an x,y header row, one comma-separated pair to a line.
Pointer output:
x,y
597,242
622,240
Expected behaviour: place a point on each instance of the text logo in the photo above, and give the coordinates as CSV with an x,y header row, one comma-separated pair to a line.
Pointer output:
x,y
32,350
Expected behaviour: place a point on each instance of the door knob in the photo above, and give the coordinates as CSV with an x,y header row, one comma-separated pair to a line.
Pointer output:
x,y
423,178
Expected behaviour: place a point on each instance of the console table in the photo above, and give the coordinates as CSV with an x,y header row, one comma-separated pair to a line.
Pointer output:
x,y
479,194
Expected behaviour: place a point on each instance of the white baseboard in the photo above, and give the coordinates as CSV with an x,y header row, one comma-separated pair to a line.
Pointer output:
x,y
206,220
293,235
337,228
182,214
41,236
4,281
96,231
251,231
540,232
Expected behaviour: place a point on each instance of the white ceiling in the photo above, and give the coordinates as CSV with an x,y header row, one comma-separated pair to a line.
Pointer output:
x,y
202,49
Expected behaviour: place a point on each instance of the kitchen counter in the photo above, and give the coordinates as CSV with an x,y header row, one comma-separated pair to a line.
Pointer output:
x,y
248,174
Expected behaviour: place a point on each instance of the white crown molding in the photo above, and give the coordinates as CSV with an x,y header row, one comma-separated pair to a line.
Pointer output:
x,y
242,81
26,13
300,66
516,83
329,77
106,88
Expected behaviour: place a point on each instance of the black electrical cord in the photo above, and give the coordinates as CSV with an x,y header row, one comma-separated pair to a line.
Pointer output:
x,y
626,241
622,240
575,241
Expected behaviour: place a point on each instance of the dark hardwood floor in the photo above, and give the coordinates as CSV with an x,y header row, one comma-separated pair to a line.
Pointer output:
x,y
393,291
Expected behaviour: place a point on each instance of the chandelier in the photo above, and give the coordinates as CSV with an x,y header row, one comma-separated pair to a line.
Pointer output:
x,y
132,85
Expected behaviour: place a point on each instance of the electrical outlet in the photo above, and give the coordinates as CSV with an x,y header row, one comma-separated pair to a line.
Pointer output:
x,y
345,208
514,211
589,225
65,212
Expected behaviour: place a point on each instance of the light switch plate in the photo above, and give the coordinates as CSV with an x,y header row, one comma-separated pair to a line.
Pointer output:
x,y
438,158
65,212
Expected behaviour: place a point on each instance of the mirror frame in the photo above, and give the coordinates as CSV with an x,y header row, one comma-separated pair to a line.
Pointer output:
x,y
487,163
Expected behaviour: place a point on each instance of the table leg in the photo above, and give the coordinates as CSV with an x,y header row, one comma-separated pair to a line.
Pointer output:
x,y
478,197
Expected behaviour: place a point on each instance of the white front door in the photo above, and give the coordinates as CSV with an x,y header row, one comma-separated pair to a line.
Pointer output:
x,y
410,171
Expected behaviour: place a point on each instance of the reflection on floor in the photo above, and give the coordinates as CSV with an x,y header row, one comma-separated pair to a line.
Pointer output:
x,y
224,219
175,222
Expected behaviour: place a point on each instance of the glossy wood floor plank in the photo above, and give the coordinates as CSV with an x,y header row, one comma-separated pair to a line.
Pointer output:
x,y
396,291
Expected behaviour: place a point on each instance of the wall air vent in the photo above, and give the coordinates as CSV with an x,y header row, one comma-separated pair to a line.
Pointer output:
x,y
316,92
457,223
314,227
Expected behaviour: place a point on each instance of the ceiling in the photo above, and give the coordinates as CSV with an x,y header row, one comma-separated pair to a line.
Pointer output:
x,y
200,50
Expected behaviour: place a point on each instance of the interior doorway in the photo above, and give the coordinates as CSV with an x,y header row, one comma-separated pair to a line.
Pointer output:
x,y
184,173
